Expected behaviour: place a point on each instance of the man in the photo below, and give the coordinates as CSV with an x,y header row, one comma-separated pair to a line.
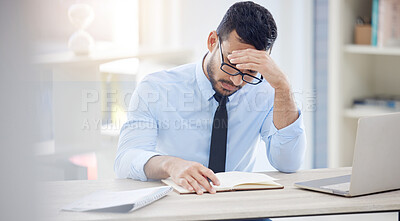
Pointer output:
x,y
197,119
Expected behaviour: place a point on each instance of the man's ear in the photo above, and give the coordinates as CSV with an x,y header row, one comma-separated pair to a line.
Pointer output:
x,y
212,41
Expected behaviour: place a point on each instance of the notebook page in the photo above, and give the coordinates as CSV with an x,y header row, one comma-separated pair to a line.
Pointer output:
x,y
231,179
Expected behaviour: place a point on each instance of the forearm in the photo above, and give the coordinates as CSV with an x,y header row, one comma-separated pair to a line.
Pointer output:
x,y
285,109
157,167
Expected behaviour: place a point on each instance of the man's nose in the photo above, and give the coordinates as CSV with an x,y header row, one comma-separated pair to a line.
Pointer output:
x,y
237,80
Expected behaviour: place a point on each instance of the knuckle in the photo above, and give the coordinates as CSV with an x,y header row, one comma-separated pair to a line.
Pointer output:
x,y
201,180
197,188
182,174
189,170
182,182
206,186
210,173
196,164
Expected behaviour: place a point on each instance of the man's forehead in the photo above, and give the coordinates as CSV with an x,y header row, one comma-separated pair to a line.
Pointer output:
x,y
234,42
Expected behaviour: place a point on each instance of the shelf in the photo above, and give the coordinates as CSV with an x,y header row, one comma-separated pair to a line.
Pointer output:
x,y
354,72
356,113
367,49
106,52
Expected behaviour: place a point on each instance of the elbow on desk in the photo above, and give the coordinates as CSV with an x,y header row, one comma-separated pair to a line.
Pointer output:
x,y
118,172
119,169
126,169
288,170
287,164
291,167
290,158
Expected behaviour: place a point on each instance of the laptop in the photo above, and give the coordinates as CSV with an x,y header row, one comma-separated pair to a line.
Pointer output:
x,y
376,164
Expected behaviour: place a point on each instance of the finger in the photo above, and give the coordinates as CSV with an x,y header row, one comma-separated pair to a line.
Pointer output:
x,y
248,56
211,175
203,181
249,51
185,184
245,59
241,54
247,66
195,185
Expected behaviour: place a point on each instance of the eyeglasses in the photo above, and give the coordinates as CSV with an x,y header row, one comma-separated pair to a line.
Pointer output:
x,y
251,78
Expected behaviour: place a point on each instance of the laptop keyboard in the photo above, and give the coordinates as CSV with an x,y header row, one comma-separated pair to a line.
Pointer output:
x,y
345,187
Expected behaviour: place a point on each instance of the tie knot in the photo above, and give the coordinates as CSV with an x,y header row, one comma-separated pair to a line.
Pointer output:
x,y
220,99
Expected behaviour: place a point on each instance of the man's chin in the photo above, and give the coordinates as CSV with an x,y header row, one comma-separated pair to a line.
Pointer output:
x,y
225,92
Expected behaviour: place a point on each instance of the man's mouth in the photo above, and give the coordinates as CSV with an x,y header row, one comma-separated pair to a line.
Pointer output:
x,y
228,87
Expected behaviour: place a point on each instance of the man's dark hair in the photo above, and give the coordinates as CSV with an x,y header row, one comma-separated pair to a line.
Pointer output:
x,y
253,23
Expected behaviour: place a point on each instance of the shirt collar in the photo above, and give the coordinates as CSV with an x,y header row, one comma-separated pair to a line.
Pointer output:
x,y
202,81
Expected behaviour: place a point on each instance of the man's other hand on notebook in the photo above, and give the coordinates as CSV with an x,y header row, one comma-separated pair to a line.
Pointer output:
x,y
191,175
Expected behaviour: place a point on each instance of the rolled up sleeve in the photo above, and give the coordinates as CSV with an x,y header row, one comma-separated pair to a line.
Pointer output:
x,y
285,147
138,138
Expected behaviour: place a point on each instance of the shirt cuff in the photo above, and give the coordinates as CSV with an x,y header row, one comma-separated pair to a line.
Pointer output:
x,y
291,131
137,167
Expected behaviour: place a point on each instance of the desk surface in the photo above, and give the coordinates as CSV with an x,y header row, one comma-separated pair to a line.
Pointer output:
x,y
290,201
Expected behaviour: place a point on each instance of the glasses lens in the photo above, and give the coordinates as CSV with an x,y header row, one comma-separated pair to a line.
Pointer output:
x,y
252,79
229,70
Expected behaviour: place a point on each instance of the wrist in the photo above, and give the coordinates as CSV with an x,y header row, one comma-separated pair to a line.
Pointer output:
x,y
281,83
284,87
167,164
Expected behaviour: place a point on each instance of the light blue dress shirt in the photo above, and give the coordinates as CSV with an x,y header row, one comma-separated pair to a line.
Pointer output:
x,y
171,113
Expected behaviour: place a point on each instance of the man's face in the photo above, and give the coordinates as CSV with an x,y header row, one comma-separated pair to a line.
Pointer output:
x,y
221,82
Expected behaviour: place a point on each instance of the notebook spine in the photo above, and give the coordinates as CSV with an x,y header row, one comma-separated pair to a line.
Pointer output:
x,y
150,199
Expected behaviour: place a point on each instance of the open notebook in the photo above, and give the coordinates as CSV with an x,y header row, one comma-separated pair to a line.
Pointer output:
x,y
231,181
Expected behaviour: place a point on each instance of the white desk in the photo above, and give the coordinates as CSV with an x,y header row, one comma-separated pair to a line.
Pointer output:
x,y
287,202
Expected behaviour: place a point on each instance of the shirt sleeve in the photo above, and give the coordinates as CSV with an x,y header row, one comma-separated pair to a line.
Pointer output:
x,y
138,136
285,147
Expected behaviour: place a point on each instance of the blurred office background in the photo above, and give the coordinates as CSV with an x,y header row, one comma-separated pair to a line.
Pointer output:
x,y
84,91
83,97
